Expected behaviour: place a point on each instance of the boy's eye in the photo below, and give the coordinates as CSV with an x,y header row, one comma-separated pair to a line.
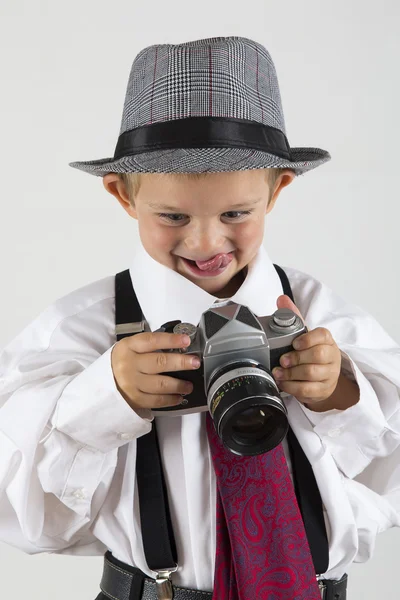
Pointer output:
x,y
172,217
236,214
232,215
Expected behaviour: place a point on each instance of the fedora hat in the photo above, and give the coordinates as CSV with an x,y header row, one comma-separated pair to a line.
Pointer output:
x,y
206,105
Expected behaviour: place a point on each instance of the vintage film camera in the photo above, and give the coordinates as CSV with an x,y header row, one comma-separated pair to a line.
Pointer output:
x,y
234,382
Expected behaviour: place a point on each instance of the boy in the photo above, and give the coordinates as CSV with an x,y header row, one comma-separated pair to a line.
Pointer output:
x,y
204,128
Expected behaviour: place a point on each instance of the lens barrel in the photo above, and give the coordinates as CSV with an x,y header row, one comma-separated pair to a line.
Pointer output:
x,y
246,407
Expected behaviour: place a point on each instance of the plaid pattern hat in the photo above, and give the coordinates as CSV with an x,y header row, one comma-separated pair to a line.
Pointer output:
x,y
207,105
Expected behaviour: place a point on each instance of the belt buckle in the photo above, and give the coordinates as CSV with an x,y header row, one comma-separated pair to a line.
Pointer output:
x,y
164,583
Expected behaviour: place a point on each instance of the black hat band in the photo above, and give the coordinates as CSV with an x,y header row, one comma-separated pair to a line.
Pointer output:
x,y
203,132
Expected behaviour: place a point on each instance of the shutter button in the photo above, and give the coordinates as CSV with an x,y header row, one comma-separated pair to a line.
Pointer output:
x,y
285,321
284,317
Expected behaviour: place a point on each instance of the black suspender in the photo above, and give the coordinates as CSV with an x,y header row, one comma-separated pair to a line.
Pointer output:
x,y
158,537
305,485
157,533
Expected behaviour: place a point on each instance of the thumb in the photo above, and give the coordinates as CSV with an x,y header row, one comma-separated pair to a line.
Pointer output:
x,y
285,302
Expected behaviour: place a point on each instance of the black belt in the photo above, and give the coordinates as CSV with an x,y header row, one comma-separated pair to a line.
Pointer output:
x,y
123,582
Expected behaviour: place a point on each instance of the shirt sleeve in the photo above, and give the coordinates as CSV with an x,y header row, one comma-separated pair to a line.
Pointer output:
x,y
371,428
62,420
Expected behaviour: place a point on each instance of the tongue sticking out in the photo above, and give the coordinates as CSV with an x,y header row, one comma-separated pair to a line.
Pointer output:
x,y
218,262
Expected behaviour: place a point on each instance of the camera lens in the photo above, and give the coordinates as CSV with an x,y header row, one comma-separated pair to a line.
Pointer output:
x,y
248,413
250,422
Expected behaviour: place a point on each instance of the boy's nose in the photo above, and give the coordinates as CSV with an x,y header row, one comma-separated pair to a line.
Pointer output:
x,y
205,245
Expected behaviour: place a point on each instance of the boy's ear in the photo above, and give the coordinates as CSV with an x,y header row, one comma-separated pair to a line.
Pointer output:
x,y
115,186
282,181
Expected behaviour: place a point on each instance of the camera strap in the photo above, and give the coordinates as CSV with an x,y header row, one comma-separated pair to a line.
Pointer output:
x,y
157,532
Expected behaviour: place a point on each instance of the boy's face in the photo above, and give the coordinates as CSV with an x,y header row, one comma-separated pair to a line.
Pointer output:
x,y
218,218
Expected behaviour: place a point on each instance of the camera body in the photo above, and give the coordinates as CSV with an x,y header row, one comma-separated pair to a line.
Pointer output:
x,y
238,351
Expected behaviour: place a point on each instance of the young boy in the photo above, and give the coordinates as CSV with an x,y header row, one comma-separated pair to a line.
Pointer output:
x,y
202,156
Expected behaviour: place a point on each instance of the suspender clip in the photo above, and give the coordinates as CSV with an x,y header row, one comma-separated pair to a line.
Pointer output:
x,y
164,584
131,328
322,588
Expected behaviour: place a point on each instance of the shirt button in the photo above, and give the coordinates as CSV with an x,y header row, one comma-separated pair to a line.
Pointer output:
x,y
126,436
335,432
81,494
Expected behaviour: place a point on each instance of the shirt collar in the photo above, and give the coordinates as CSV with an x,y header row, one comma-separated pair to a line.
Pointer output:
x,y
165,295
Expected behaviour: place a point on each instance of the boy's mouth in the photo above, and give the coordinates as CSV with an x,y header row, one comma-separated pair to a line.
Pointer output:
x,y
211,267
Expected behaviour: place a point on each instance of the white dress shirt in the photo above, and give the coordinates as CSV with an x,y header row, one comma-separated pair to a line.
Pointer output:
x,y
68,438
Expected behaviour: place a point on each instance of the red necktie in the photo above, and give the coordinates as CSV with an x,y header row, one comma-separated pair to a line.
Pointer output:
x,y
262,549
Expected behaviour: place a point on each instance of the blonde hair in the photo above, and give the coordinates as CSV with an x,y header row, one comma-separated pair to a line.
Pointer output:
x,y
132,181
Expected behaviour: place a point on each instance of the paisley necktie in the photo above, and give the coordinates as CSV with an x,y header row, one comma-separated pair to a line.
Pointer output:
x,y
262,552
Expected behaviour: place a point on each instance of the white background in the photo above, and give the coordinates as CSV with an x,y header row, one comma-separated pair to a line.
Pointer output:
x,y
64,70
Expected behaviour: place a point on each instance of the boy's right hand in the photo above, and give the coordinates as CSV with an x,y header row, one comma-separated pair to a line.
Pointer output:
x,y
137,365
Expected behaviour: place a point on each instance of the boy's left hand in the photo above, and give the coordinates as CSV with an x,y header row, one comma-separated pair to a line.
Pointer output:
x,y
313,372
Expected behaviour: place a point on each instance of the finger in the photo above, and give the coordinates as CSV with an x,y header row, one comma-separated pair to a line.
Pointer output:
x,y
162,385
321,354
308,372
154,401
305,391
150,342
317,336
160,362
